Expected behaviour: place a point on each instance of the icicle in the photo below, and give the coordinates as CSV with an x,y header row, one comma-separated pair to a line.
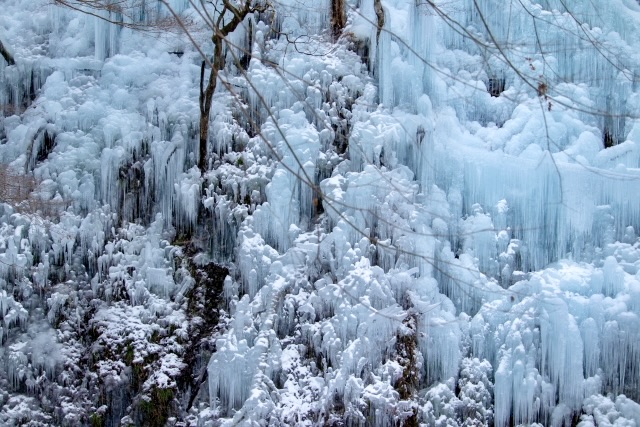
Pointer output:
x,y
168,161
254,260
290,191
188,198
106,33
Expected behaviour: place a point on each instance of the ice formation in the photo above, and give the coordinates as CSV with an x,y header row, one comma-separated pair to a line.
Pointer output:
x,y
431,218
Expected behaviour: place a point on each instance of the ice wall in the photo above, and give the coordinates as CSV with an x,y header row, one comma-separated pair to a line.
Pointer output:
x,y
554,342
551,210
387,219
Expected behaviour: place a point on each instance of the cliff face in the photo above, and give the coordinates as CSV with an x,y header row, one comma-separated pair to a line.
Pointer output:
x,y
413,214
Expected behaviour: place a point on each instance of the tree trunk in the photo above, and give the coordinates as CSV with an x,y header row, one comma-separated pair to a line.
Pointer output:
x,y
338,18
6,55
220,31
204,136
206,99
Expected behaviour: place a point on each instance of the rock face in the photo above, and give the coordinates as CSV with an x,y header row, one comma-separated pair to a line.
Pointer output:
x,y
412,213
